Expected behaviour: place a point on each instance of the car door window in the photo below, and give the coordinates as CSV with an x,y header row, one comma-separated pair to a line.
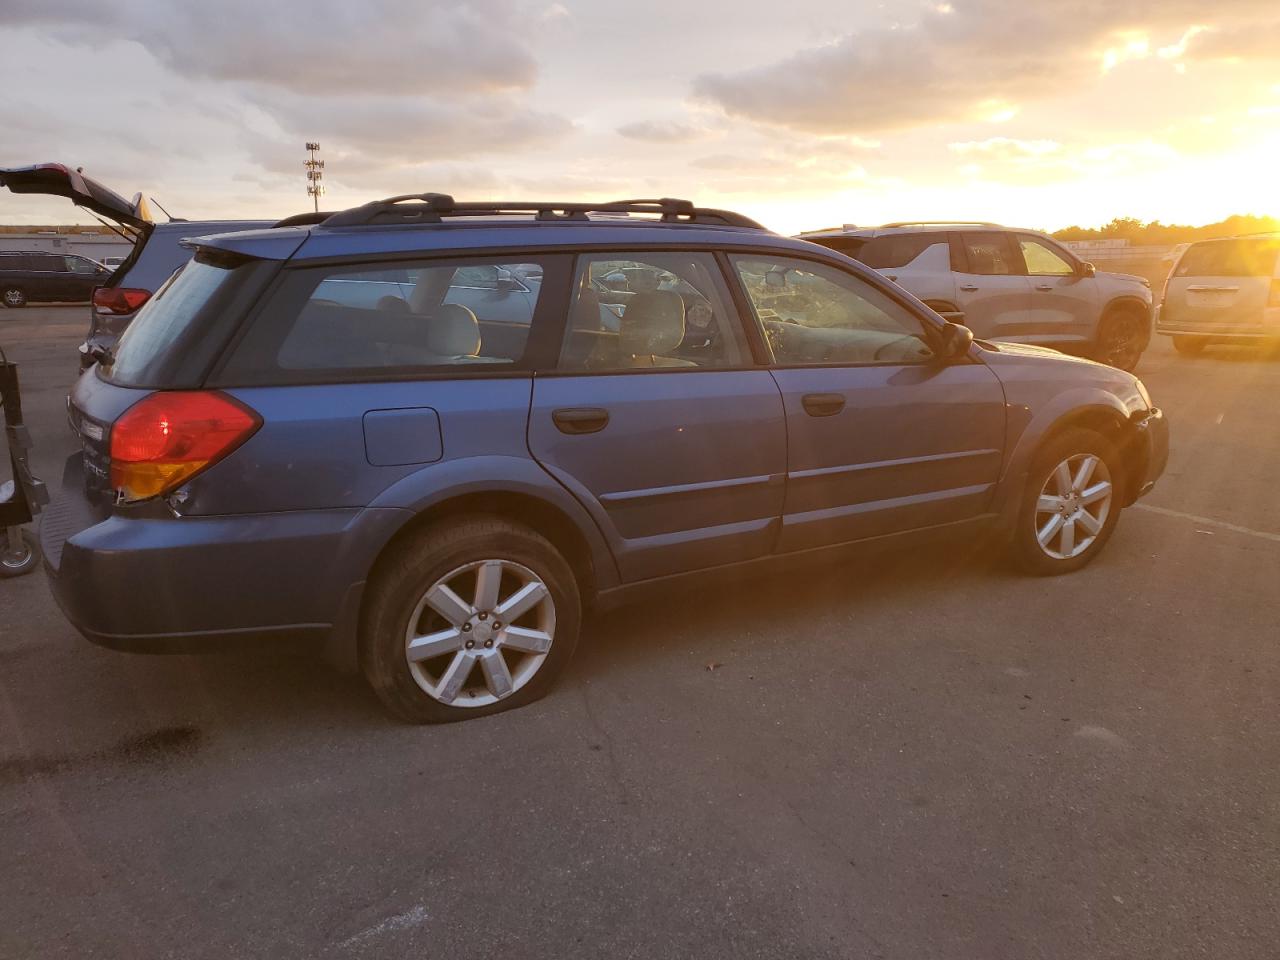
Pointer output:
x,y
645,311
407,316
990,255
81,266
812,313
1042,260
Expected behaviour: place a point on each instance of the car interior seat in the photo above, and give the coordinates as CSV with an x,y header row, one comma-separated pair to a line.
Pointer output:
x,y
651,327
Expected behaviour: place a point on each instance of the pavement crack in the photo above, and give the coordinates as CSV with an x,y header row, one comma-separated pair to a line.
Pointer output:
x,y
615,770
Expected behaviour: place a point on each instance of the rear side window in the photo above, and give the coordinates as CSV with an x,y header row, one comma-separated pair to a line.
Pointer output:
x,y
1230,258
897,250
350,322
175,335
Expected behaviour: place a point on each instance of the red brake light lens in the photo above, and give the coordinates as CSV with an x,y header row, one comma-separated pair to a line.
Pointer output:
x,y
119,300
164,440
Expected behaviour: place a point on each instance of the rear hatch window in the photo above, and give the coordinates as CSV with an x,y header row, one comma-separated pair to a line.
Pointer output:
x,y
179,332
1230,258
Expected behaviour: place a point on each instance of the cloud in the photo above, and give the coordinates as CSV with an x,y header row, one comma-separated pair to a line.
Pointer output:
x,y
662,131
956,57
1011,161
1007,148
322,47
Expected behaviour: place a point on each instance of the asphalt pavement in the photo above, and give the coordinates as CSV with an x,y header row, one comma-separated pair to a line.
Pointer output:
x,y
929,758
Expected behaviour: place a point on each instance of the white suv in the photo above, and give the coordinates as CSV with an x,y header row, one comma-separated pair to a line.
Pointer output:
x,y
1007,284
1223,291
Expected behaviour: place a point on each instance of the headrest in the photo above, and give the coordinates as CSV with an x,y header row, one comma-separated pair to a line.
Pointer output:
x,y
453,331
653,323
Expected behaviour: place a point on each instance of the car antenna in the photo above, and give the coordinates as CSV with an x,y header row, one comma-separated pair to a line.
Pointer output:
x,y
172,218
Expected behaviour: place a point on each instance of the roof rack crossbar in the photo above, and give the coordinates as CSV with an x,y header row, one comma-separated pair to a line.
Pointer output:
x,y
432,207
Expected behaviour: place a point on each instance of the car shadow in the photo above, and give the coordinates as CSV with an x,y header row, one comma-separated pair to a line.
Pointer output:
x,y
700,617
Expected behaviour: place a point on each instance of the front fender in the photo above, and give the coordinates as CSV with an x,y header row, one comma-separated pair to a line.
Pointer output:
x,y
1028,429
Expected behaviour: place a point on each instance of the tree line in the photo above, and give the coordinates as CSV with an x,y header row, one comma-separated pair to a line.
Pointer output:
x,y
1156,233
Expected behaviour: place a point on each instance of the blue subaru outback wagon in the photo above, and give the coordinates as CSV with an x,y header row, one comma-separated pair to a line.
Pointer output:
x,y
428,434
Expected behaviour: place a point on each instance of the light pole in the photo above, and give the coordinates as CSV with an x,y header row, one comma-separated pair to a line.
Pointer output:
x,y
315,174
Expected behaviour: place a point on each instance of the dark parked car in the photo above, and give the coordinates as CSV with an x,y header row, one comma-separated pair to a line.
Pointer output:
x,y
439,492
157,247
37,276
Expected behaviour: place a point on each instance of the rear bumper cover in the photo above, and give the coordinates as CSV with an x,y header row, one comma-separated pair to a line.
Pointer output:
x,y
182,584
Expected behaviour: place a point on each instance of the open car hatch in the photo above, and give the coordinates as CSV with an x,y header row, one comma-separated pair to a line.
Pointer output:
x,y
59,180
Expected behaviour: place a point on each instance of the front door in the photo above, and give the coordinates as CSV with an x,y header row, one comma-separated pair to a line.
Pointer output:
x,y
663,430
991,288
1064,302
883,437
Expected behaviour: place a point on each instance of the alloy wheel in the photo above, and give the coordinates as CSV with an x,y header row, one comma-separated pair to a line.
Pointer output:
x,y
14,298
480,633
1122,342
1073,506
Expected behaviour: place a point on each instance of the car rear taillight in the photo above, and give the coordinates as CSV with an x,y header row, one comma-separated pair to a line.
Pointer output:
x,y
119,299
1274,299
164,440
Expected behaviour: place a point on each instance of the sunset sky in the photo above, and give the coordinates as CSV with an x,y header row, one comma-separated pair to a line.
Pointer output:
x,y
804,114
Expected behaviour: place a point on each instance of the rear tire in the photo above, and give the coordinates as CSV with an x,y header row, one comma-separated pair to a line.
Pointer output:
x,y
463,680
13,297
1040,545
1122,338
1190,346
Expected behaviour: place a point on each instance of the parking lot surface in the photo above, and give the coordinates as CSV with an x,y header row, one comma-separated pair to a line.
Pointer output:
x,y
928,758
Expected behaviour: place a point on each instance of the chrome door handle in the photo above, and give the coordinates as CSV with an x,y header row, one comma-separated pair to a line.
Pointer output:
x,y
969,287
1044,286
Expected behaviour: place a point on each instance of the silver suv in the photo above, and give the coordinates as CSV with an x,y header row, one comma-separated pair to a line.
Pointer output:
x,y
1223,291
1007,284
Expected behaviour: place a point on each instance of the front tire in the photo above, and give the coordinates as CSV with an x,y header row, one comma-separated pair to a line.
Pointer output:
x,y
1121,338
13,297
468,618
1190,346
1071,504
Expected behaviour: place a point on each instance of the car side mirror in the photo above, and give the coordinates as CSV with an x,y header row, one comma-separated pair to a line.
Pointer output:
x,y
1087,269
956,340
775,278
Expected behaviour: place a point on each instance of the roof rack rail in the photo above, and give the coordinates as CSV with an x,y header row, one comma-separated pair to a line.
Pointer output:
x,y
434,207
943,223
304,219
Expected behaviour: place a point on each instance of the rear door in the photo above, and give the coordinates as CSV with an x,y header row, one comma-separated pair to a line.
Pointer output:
x,y
883,437
675,443
1223,286
991,288
1064,302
